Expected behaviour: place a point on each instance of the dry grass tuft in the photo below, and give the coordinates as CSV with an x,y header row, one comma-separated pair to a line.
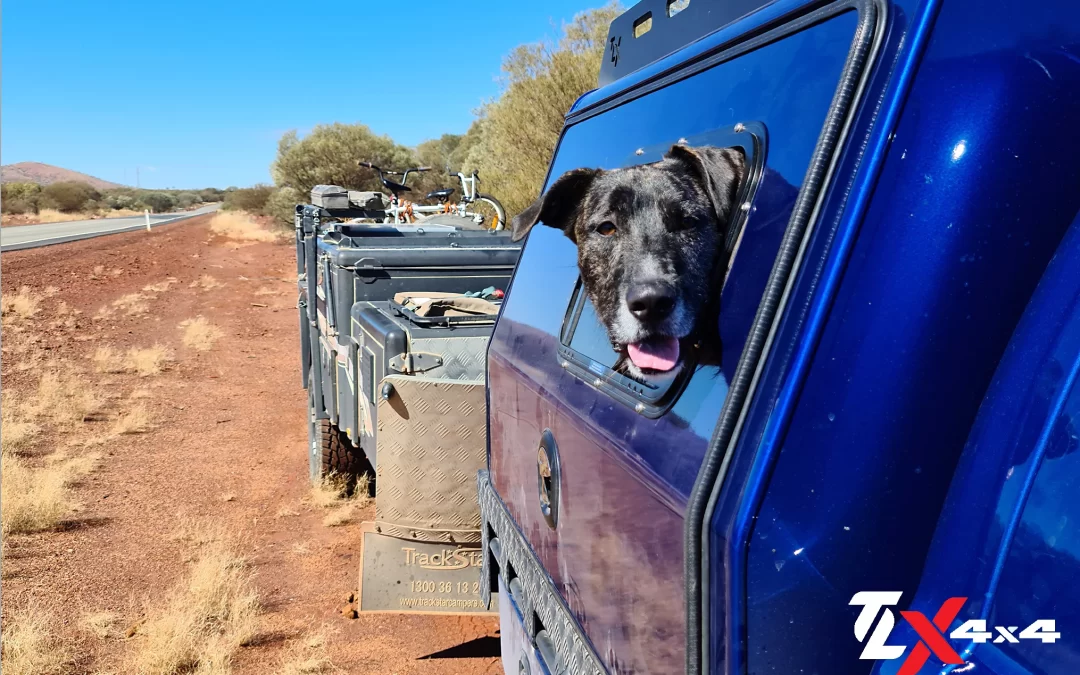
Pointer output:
x,y
136,420
241,227
22,305
54,216
103,625
161,286
64,400
65,317
30,646
301,548
207,282
307,656
342,515
132,304
333,493
198,532
287,512
33,499
200,623
108,360
200,334
17,433
148,360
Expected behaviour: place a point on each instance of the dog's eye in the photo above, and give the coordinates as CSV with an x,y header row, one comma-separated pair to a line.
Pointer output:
x,y
605,229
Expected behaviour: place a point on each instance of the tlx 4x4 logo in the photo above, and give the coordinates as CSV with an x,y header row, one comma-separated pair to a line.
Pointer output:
x,y
931,632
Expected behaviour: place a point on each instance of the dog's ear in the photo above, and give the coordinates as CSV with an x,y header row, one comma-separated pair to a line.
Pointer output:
x,y
720,171
558,206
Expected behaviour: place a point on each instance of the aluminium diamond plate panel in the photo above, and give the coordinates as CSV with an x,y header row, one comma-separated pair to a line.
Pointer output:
x,y
431,443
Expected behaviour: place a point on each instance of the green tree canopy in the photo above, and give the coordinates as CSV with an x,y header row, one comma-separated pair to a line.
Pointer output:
x,y
328,156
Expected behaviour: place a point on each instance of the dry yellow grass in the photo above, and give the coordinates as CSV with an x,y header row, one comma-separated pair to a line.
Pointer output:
x,y
147,361
33,499
342,515
132,304
17,433
121,213
287,512
135,420
30,645
307,656
301,548
197,532
65,317
161,286
103,625
64,400
333,493
200,623
22,305
108,360
200,334
54,216
241,227
206,282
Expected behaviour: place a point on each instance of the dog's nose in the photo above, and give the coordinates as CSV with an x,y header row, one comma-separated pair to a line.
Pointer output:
x,y
651,300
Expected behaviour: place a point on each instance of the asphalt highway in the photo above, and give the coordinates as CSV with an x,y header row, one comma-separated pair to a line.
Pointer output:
x,y
32,236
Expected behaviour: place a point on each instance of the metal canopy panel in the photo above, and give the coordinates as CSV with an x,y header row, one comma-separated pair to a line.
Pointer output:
x,y
672,24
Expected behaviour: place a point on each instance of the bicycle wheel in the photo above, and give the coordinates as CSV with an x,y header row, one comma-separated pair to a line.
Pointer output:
x,y
487,211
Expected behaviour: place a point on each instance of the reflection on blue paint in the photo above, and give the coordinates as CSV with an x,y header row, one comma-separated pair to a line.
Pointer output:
x,y
958,150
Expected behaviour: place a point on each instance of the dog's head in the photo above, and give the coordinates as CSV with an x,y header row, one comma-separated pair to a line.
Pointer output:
x,y
649,238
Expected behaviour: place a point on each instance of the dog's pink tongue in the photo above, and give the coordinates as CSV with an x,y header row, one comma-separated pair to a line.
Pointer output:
x,y
657,354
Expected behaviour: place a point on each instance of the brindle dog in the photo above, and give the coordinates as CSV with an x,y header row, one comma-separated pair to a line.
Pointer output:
x,y
650,240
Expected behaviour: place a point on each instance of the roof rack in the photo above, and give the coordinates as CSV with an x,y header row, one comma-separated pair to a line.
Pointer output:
x,y
652,29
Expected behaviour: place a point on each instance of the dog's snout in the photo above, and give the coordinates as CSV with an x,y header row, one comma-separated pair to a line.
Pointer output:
x,y
651,301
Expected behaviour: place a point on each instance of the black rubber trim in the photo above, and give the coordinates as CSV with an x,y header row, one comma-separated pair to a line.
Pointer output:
x,y
698,513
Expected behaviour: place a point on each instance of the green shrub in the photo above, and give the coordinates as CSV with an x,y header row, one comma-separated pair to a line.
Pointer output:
x,y
328,156
18,198
69,197
510,143
282,205
252,199
186,199
211,195
18,206
518,131
122,200
159,202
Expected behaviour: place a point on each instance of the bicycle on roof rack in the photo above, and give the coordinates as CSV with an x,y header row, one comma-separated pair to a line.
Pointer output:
x,y
482,209
401,210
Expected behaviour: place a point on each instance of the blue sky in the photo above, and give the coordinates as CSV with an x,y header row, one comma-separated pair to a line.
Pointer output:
x,y
197,93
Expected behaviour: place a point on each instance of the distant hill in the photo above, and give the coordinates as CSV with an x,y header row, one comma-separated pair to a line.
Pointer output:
x,y
44,174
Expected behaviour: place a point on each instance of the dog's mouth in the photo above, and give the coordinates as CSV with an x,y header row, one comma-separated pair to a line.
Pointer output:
x,y
656,354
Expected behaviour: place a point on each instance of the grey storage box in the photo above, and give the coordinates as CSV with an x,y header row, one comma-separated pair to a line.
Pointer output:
x,y
367,201
330,196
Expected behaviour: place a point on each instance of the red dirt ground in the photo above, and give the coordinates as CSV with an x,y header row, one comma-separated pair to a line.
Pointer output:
x,y
229,421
